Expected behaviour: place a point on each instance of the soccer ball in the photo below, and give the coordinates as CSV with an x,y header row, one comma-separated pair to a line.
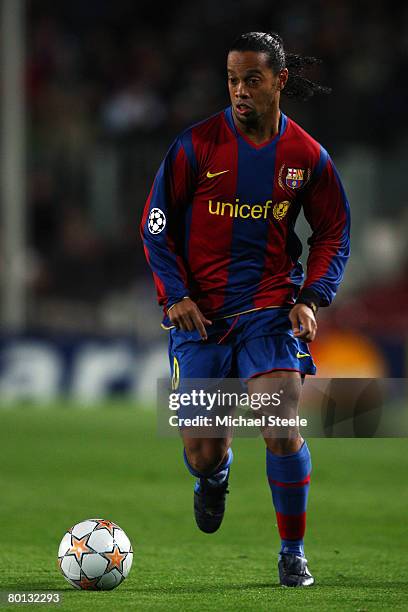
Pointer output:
x,y
95,555
157,221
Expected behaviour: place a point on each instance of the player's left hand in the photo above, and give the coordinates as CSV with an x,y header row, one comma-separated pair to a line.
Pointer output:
x,y
303,321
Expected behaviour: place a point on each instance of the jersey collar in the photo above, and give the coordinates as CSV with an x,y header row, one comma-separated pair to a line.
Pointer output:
x,y
283,121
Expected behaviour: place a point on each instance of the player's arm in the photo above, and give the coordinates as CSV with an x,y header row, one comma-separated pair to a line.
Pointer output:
x,y
162,231
327,211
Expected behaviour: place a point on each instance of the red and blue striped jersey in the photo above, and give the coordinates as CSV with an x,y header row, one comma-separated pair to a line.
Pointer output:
x,y
219,222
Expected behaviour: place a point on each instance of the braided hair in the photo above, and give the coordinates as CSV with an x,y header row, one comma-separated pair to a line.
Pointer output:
x,y
271,44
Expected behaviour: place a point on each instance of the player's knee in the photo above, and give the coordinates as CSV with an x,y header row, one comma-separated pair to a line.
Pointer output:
x,y
206,457
283,446
203,464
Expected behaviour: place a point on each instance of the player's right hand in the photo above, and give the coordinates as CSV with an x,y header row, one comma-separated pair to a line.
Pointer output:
x,y
187,316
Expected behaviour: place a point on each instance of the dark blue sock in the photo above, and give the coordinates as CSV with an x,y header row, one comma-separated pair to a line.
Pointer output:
x,y
289,477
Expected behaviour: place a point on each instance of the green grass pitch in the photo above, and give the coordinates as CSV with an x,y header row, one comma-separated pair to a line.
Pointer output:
x,y
64,464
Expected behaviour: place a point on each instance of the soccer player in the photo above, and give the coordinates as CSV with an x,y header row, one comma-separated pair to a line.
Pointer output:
x,y
218,231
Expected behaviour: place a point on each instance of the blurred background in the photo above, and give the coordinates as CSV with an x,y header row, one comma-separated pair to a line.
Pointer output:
x,y
92,95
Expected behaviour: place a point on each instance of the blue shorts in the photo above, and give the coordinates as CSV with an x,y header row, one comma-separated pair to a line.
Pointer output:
x,y
241,346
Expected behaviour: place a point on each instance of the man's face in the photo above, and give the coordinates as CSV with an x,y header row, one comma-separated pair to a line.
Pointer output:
x,y
253,87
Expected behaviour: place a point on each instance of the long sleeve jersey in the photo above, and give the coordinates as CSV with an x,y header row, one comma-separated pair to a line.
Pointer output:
x,y
219,223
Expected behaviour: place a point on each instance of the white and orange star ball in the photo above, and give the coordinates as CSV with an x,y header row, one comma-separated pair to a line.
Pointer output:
x,y
95,554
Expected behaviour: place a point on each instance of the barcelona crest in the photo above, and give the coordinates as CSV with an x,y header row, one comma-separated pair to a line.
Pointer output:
x,y
295,177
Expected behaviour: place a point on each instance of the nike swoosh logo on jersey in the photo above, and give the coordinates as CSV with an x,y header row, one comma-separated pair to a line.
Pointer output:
x,y
212,174
300,355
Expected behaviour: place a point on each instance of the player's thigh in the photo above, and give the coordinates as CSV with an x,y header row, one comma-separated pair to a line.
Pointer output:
x,y
197,365
281,433
282,387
